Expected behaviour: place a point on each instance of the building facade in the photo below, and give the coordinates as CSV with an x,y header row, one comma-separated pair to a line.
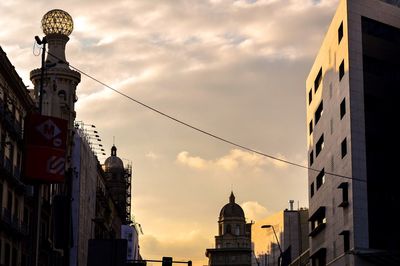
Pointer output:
x,y
83,204
352,91
291,229
233,243
15,210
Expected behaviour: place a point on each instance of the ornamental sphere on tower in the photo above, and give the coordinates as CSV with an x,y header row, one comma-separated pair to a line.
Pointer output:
x,y
57,21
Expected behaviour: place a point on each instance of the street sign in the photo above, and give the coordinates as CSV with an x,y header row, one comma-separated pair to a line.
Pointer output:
x,y
45,149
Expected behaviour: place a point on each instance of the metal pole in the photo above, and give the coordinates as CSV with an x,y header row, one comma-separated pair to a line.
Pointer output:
x,y
279,246
37,194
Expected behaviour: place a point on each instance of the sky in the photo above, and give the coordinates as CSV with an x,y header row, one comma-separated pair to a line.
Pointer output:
x,y
235,68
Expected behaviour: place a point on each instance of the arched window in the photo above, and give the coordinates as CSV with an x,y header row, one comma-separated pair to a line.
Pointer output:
x,y
237,230
228,229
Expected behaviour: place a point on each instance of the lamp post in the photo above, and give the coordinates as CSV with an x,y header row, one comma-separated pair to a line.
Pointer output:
x,y
277,241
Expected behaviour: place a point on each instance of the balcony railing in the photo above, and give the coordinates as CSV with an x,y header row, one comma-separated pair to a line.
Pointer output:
x,y
13,126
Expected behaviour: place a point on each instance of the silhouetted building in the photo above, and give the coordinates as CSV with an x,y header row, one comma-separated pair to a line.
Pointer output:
x,y
15,211
233,243
291,228
57,100
85,173
352,96
118,182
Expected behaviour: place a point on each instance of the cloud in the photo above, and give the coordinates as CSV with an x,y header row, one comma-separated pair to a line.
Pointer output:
x,y
151,155
254,211
193,162
235,159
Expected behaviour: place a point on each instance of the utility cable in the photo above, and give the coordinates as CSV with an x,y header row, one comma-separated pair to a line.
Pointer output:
x,y
201,130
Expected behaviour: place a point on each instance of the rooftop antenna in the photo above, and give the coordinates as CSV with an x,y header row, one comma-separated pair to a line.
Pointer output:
x,y
113,140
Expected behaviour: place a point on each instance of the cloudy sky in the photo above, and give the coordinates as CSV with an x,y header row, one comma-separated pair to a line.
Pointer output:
x,y
235,68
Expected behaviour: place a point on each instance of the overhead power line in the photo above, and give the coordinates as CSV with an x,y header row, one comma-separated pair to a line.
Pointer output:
x,y
201,130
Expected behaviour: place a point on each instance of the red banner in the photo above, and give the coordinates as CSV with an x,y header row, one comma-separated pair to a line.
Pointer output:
x,y
45,149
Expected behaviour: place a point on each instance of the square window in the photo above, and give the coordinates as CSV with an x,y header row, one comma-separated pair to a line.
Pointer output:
x,y
345,194
346,240
321,178
319,146
344,147
343,108
341,70
319,111
340,32
310,127
312,189
311,158
318,80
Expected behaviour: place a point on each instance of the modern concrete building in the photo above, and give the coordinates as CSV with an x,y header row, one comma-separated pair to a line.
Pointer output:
x,y
352,93
291,229
233,243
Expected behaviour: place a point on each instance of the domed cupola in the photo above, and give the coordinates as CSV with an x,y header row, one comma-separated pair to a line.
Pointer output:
x,y
231,210
114,164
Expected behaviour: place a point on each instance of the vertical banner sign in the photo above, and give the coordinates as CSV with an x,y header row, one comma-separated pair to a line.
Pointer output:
x,y
45,149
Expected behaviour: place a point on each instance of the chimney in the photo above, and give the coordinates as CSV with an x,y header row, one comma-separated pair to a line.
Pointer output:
x,y
291,205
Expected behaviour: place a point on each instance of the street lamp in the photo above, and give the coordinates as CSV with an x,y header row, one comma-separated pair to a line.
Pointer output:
x,y
277,241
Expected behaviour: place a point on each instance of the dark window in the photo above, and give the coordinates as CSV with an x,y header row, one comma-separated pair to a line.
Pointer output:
x,y
319,258
342,108
310,127
321,178
345,194
381,68
344,147
340,32
310,96
318,221
311,158
318,80
319,111
346,240
341,70
380,30
312,189
228,229
319,146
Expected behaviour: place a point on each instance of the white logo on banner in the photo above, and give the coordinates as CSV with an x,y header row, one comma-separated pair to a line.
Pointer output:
x,y
56,165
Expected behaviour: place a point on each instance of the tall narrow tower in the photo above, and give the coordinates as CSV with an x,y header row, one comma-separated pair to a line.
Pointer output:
x,y
59,84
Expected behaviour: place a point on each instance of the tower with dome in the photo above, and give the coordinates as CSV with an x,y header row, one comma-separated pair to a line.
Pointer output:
x,y
60,82
233,242
118,183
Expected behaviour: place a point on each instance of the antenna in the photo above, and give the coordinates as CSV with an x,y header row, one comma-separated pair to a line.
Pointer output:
x,y
113,140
